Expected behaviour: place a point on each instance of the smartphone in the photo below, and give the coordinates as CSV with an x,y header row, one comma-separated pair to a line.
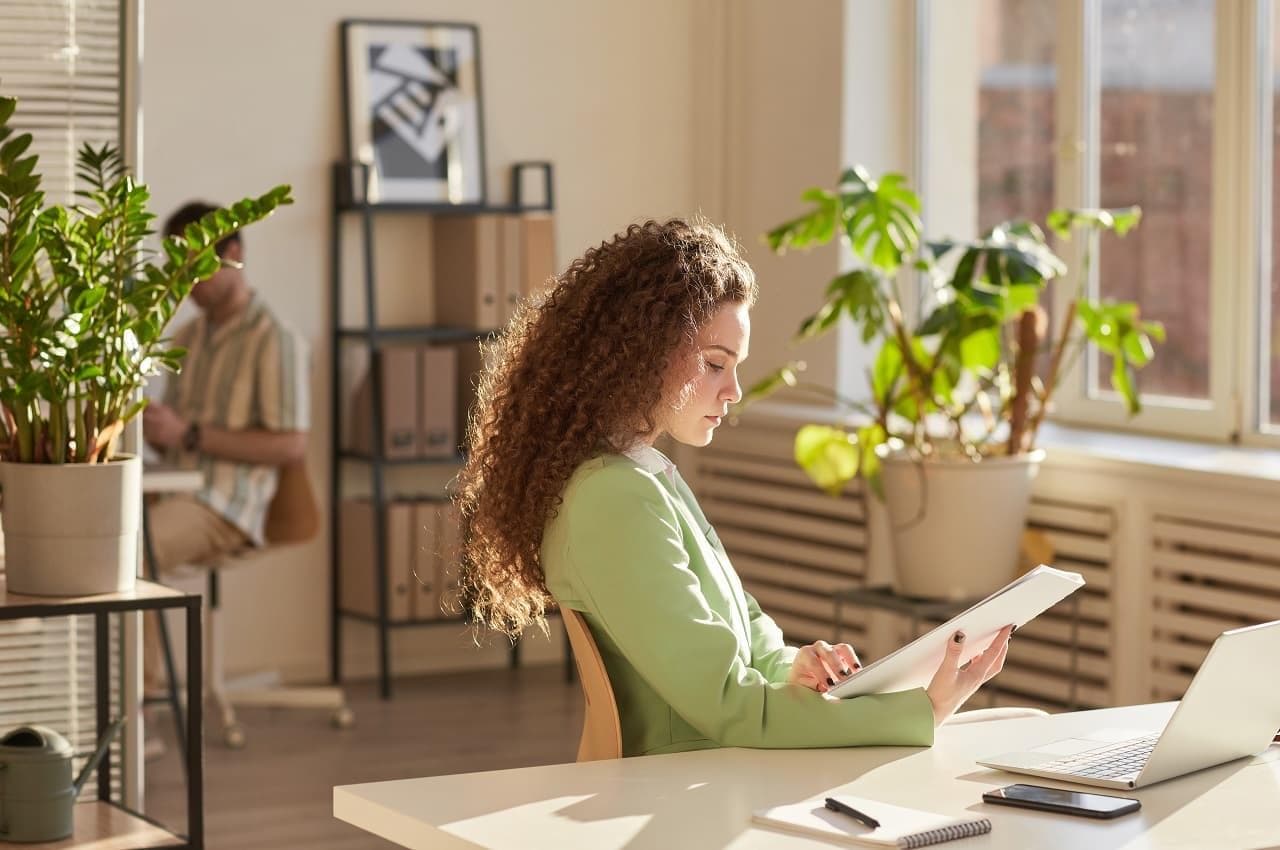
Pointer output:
x,y
1063,802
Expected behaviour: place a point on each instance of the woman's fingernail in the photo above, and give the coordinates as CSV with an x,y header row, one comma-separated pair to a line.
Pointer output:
x,y
959,638
831,681
1012,630
845,672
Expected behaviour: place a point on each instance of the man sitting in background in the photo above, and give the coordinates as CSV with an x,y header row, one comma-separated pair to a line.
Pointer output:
x,y
238,411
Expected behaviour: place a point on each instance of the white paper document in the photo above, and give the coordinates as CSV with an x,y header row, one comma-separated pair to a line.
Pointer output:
x,y
913,665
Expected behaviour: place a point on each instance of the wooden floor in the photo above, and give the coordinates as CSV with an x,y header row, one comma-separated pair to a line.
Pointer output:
x,y
278,791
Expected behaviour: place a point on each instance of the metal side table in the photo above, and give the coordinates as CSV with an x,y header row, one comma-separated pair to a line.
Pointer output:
x,y
105,823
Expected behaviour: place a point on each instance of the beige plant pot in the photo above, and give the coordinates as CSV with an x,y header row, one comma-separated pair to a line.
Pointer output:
x,y
956,525
71,529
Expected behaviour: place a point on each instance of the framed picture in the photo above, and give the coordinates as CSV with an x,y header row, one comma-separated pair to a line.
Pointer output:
x,y
413,112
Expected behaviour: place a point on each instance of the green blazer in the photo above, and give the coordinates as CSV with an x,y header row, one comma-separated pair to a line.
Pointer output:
x,y
693,661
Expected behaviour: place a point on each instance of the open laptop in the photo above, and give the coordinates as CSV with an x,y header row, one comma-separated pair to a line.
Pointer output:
x,y
1231,711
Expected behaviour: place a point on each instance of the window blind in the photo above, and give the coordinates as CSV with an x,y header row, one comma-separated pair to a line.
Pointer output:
x,y
62,59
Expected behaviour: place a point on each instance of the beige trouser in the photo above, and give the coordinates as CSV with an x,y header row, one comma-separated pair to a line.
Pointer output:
x,y
183,531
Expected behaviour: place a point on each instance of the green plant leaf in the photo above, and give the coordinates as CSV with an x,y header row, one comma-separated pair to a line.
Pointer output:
x,y
784,376
980,350
816,227
829,456
1123,382
14,148
90,298
1137,348
870,438
1118,220
886,371
821,321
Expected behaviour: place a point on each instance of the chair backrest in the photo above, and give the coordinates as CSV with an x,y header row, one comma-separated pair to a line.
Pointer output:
x,y
293,515
601,729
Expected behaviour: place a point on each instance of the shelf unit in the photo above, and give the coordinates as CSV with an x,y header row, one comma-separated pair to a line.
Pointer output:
x,y
106,822
372,336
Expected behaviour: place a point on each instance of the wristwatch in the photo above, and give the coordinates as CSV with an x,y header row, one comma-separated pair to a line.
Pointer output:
x,y
191,437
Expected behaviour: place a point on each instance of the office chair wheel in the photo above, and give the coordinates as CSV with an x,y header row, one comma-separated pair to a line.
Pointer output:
x,y
343,718
233,737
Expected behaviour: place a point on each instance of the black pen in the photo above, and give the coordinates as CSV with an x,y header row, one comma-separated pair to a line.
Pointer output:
x,y
836,806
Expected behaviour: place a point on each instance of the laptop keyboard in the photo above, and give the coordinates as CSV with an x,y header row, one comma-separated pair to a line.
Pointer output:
x,y
1113,761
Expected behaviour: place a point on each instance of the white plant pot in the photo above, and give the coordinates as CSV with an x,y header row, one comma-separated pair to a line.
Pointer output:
x,y
71,529
957,525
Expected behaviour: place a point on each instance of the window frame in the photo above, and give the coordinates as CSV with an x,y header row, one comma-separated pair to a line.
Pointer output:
x,y
1239,212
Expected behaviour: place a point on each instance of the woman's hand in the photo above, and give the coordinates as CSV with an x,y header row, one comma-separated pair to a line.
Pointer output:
x,y
820,665
953,683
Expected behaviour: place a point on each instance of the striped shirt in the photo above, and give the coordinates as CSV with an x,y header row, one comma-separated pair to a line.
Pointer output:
x,y
251,373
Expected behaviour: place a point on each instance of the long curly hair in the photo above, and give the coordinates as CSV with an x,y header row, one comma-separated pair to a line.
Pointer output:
x,y
581,373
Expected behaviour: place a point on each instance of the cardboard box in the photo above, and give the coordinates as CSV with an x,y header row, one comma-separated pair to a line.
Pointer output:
x,y
466,253
437,399
400,382
527,263
510,267
357,576
538,253
470,362
450,539
426,557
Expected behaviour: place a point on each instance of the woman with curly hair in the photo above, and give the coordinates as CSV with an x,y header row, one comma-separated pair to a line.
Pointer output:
x,y
565,498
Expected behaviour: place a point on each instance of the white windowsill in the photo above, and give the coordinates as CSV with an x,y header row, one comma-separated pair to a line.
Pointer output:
x,y
1068,444
1162,453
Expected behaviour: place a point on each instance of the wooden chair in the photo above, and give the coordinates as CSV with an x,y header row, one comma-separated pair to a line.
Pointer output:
x,y
293,517
601,729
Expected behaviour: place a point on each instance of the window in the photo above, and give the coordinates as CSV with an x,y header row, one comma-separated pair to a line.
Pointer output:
x,y
1268,406
1167,104
1154,110
63,62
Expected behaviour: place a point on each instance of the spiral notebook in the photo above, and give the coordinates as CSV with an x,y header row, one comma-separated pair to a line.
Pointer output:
x,y
899,826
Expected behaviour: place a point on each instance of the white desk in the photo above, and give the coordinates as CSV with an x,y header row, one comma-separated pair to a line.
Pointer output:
x,y
158,478
705,799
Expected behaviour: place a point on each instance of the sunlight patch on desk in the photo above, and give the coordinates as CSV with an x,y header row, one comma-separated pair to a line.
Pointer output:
x,y
570,815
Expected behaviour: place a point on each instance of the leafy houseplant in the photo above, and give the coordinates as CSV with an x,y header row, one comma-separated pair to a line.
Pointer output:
x,y
82,315
965,386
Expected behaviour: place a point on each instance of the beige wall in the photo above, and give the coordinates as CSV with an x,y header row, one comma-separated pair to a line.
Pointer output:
x,y
653,109
782,135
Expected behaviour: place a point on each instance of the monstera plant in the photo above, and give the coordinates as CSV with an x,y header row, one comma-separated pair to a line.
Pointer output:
x,y
954,400
83,309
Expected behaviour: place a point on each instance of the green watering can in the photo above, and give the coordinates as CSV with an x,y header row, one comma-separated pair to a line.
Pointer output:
x,y
36,790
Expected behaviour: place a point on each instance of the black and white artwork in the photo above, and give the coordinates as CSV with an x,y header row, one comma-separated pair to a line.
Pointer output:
x,y
413,111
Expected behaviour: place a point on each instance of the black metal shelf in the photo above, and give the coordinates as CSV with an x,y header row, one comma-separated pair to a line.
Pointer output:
x,y
369,333
108,821
364,457
346,175
414,333
435,209
372,619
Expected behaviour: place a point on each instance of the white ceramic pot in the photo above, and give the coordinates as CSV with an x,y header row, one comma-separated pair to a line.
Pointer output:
x,y
71,529
957,525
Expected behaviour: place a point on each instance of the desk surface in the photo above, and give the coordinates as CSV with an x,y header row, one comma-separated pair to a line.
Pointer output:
x,y
142,591
705,799
160,478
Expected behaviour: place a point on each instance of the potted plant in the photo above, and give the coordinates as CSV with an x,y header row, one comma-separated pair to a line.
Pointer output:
x,y
947,433
82,317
